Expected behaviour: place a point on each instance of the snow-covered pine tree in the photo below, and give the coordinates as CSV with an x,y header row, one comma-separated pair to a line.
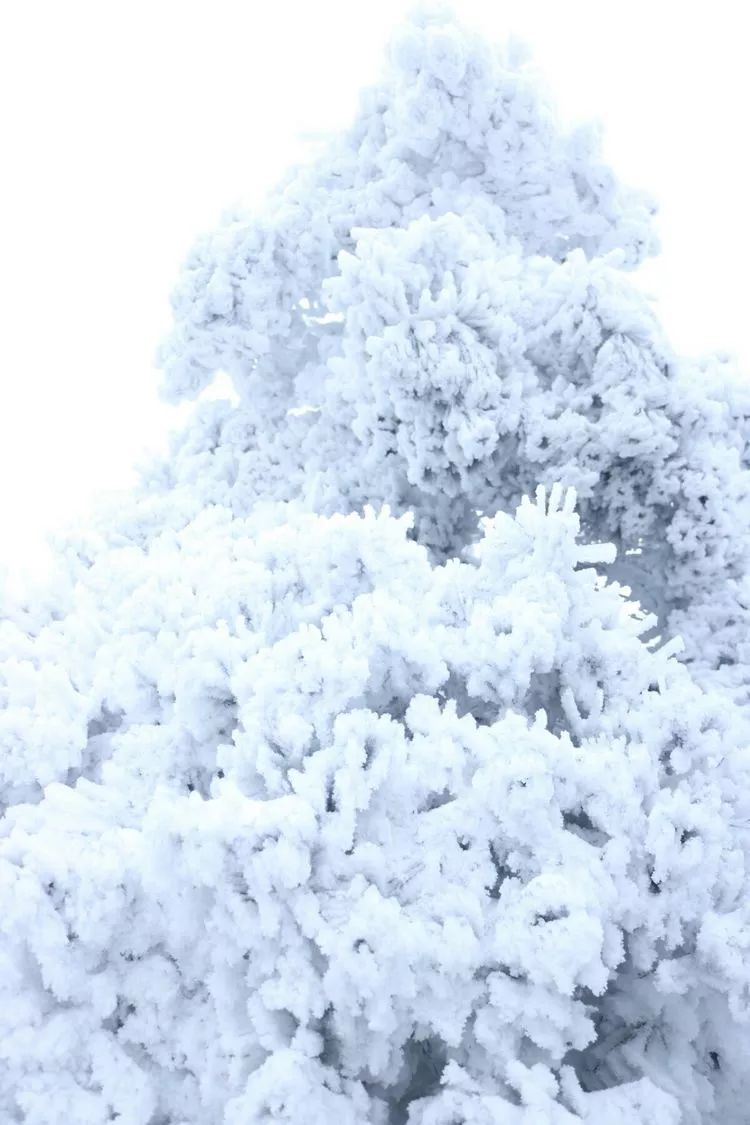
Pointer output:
x,y
325,798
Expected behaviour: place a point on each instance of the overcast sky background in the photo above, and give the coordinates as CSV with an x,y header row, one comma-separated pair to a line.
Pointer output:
x,y
127,129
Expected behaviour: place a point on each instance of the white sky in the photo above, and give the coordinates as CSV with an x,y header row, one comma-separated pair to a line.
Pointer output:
x,y
127,128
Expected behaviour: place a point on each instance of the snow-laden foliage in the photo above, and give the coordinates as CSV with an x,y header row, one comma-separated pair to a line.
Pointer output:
x,y
355,837
434,315
454,128
339,780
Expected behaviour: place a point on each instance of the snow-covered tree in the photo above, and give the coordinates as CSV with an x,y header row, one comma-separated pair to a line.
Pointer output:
x,y
440,301
340,779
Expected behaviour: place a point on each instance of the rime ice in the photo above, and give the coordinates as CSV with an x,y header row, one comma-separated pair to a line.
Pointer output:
x,y
341,781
